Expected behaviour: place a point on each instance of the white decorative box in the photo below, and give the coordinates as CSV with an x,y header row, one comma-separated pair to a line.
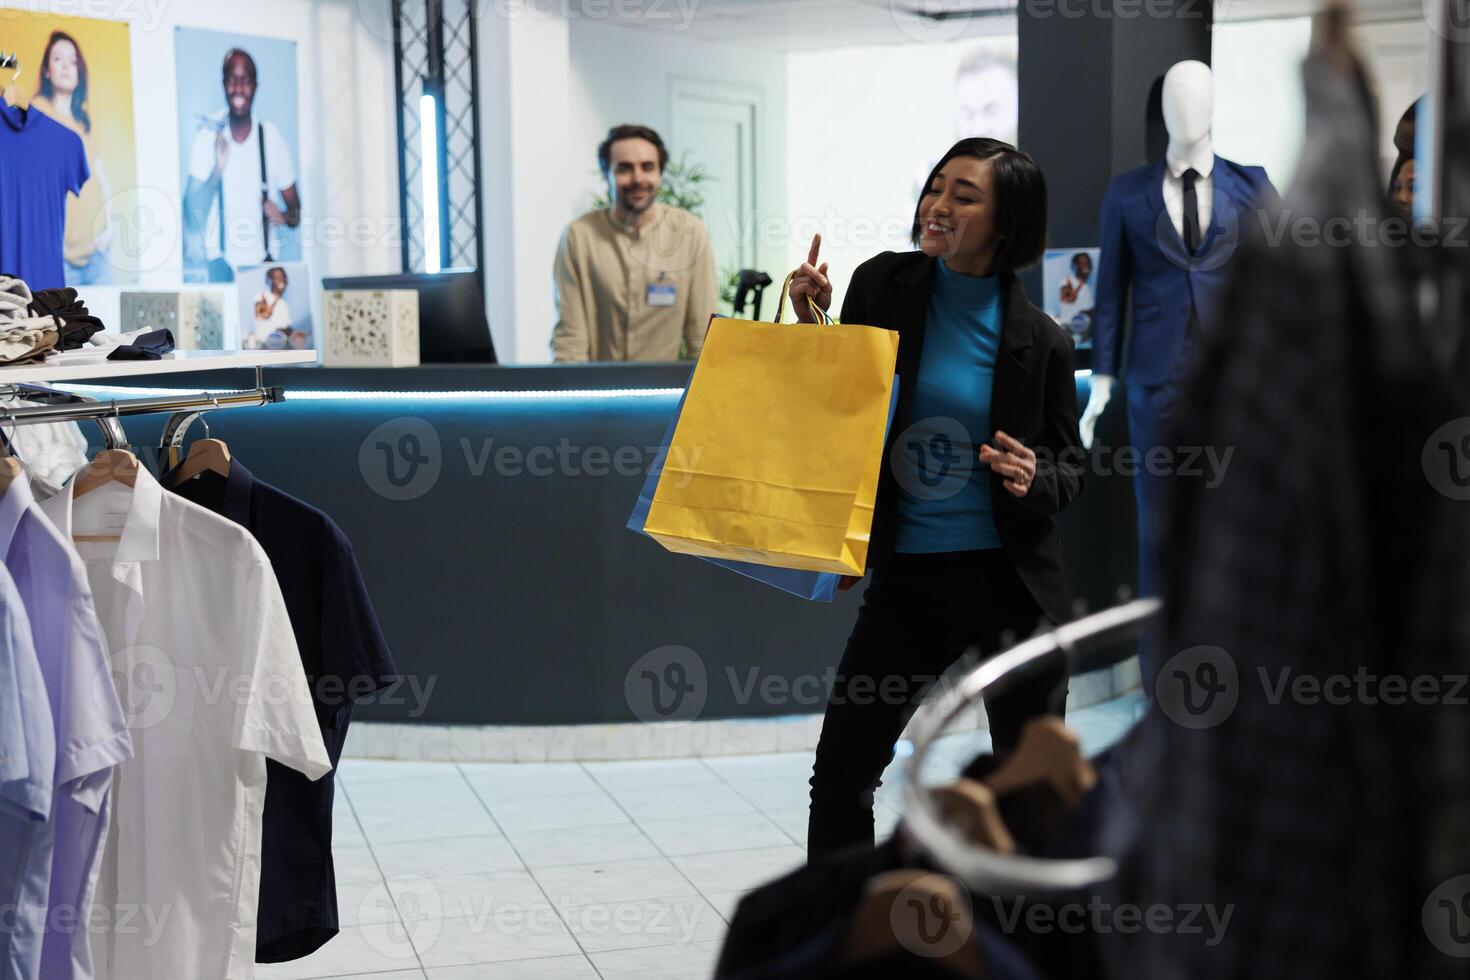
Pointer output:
x,y
370,328
196,317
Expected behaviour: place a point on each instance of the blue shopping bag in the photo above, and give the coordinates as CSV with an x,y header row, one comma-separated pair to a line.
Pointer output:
x,y
816,586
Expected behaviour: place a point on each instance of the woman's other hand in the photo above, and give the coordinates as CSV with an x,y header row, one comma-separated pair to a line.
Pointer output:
x,y
1013,461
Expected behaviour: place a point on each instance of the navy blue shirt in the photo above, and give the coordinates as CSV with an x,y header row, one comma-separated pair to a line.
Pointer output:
x,y
944,493
41,161
346,658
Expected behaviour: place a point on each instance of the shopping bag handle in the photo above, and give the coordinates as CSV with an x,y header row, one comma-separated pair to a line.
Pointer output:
x,y
817,311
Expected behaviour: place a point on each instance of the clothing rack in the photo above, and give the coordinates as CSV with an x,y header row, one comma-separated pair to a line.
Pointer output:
x,y
1088,644
184,409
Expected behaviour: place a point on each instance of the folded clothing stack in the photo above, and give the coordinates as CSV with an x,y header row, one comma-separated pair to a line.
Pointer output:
x,y
34,326
24,336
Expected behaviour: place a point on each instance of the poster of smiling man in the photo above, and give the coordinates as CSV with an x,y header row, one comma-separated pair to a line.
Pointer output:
x,y
239,152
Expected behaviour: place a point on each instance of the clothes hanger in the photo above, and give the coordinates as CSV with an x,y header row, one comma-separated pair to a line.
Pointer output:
x,y
205,455
10,467
11,61
112,465
916,912
1087,644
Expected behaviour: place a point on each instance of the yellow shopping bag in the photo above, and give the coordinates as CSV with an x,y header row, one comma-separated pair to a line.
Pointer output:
x,y
776,455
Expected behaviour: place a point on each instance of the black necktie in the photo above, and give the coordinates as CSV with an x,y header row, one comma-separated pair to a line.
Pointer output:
x,y
1191,212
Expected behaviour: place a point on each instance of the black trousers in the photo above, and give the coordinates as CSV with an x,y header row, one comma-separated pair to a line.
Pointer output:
x,y
920,614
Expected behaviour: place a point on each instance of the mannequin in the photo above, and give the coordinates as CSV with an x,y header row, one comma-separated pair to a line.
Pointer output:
x,y
1168,232
1189,113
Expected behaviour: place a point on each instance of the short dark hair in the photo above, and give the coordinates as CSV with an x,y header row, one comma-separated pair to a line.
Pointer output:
x,y
628,131
1080,255
234,53
1020,200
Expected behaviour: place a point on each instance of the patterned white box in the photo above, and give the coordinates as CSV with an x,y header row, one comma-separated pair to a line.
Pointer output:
x,y
370,328
196,317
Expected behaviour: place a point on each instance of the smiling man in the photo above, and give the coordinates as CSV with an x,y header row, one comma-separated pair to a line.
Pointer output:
x,y
634,281
242,181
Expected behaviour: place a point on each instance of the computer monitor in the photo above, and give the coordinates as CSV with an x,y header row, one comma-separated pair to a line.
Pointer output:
x,y
452,324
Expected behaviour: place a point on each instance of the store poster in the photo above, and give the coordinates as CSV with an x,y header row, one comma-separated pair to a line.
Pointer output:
x,y
275,306
239,132
1068,277
79,71
984,97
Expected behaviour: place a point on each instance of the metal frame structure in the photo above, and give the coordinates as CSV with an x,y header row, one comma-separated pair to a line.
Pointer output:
x,y
436,49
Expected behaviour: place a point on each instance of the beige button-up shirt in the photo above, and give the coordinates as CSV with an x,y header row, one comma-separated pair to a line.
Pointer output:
x,y
633,295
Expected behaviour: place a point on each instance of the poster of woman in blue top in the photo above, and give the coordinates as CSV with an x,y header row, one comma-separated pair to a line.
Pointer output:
x,y
77,72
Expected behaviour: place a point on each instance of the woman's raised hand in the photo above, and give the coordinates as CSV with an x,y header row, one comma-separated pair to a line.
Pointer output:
x,y
811,282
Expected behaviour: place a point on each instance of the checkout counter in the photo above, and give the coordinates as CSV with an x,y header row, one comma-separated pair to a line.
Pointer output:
x,y
487,507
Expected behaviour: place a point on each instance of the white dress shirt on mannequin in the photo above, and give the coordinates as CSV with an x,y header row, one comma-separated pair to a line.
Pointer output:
x,y
1204,189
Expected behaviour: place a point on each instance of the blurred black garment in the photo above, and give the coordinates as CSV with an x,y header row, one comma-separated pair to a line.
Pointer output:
x,y
1324,552
780,918
793,928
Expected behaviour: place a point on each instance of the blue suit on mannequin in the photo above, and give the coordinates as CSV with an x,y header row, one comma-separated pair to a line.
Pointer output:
x,y
1173,297
1173,290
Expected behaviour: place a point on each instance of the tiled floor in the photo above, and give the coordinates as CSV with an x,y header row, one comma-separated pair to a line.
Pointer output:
x,y
505,871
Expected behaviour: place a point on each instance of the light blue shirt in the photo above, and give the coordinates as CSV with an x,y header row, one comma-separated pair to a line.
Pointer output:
x,y
90,728
944,499
27,768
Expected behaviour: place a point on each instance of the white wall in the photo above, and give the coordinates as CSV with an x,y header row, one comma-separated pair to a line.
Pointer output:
x,y
348,153
550,87
525,77
626,75
1259,108
857,190
1397,57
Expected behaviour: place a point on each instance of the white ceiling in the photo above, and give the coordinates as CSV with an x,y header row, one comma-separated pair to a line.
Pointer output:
x,y
812,24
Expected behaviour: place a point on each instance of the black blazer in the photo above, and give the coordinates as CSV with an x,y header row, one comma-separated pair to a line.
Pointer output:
x,y
1034,399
